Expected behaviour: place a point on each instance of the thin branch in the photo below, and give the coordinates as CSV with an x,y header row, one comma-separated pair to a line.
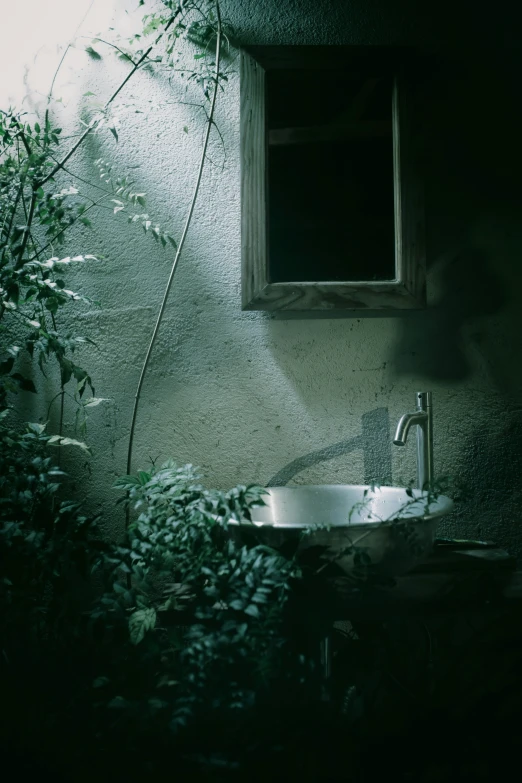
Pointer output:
x,y
27,229
34,245
108,43
24,205
62,403
34,242
68,171
11,220
202,106
13,214
177,256
111,99
51,404
25,318
60,426
62,59
59,233
86,181
36,185
25,142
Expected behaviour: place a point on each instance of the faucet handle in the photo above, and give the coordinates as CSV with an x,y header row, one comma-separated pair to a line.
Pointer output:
x,y
423,400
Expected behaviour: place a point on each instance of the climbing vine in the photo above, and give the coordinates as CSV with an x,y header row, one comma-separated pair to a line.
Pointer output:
x,y
194,617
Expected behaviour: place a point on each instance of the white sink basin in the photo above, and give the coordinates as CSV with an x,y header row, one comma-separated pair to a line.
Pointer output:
x,y
357,531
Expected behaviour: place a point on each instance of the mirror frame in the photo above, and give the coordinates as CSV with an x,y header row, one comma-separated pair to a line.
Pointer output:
x,y
408,289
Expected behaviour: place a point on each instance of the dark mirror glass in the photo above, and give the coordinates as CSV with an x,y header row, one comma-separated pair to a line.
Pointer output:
x,y
330,176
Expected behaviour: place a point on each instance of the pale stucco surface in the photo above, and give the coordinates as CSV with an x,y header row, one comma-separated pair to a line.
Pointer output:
x,y
244,394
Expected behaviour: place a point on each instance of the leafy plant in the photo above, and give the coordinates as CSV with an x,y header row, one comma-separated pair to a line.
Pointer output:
x,y
37,208
218,619
45,543
190,621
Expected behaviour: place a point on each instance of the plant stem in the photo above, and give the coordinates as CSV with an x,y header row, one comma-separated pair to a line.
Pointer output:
x,y
111,99
108,43
11,220
27,230
50,95
60,427
86,181
62,403
68,171
51,404
59,233
178,253
13,213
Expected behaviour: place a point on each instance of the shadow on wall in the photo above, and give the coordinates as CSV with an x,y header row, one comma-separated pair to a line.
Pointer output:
x,y
470,121
492,466
491,477
373,441
432,342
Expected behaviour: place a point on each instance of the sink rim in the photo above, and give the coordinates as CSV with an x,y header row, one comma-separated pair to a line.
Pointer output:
x,y
447,505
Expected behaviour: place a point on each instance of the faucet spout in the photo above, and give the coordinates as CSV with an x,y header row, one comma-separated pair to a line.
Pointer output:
x,y
422,419
405,423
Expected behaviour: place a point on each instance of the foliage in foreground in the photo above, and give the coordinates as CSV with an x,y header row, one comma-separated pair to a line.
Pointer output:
x,y
210,608
190,622
46,543
179,619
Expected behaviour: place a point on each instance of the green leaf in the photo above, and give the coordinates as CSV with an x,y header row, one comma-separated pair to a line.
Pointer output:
x,y
157,704
119,589
93,53
140,622
93,401
70,191
37,127
118,703
81,385
58,440
25,384
66,370
55,261
6,366
123,482
37,429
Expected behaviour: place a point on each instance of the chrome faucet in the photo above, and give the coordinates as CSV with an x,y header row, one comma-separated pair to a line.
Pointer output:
x,y
422,417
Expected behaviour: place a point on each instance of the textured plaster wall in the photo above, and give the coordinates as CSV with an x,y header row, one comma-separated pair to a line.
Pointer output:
x,y
254,397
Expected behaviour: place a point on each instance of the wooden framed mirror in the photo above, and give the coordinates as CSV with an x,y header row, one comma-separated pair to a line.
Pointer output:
x,y
332,213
